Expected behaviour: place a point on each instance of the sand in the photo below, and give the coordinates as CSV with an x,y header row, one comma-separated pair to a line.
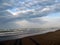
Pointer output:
x,y
51,38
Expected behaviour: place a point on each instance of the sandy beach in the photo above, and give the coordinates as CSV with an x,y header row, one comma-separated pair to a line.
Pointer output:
x,y
50,38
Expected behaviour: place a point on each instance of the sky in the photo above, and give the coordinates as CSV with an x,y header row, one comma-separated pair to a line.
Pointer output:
x,y
29,14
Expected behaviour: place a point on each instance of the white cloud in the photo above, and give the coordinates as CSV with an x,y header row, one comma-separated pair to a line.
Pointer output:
x,y
51,22
27,24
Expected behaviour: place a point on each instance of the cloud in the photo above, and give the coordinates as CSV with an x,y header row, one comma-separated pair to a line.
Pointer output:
x,y
29,24
27,12
51,22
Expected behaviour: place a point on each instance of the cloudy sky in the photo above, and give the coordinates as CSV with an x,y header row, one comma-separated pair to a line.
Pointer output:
x,y
29,13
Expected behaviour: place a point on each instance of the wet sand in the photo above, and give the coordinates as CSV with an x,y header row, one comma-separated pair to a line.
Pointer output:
x,y
51,38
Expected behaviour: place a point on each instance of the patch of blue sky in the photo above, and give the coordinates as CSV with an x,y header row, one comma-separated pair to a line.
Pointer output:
x,y
54,15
